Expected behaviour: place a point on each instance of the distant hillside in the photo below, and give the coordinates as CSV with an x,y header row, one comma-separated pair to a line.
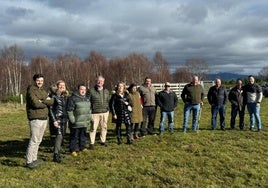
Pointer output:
x,y
226,76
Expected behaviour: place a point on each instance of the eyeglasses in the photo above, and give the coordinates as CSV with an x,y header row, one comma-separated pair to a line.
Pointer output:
x,y
167,86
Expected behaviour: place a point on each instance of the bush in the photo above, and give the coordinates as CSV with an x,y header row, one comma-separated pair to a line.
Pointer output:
x,y
13,99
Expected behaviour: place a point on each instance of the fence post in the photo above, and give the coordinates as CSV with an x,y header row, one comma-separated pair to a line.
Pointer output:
x,y
21,99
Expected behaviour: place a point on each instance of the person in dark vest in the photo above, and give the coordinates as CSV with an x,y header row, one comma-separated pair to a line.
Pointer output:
x,y
99,97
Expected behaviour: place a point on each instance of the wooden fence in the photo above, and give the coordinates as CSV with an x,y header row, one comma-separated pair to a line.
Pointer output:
x,y
178,87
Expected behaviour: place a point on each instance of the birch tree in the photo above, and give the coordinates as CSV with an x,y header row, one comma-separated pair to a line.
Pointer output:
x,y
12,64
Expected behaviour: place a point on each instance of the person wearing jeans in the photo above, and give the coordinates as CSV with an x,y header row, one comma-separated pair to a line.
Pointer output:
x,y
217,98
192,96
253,94
167,100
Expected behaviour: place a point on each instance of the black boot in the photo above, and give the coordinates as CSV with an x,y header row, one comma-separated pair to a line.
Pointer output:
x,y
57,158
128,130
129,141
119,140
118,133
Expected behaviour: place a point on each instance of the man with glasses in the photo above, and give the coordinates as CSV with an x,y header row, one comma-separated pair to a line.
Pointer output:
x,y
192,96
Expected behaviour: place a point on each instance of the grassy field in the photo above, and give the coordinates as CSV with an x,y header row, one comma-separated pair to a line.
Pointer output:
x,y
196,159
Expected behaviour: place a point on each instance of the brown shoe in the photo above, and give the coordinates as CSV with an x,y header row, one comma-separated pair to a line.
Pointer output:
x,y
136,137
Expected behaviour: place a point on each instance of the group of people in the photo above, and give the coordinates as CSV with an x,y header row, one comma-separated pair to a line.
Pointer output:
x,y
134,106
240,97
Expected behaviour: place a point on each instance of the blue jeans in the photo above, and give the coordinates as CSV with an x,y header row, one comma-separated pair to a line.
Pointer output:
x,y
214,112
163,117
254,114
195,108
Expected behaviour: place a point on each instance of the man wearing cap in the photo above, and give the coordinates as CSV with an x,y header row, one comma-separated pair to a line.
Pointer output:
x,y
192,96
167,100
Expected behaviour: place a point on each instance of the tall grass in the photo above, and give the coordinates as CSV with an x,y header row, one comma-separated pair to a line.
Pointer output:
x,y
196,159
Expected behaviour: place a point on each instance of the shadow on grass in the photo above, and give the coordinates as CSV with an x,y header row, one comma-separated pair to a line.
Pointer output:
x,y
13,151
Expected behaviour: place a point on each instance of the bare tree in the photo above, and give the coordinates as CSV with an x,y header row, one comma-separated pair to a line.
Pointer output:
x,y
95,64
182,75
131,69
161,69
43,65
197,67
12,64
68,68
264,73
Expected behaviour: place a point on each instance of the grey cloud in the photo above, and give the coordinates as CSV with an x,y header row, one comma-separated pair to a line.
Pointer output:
x,y
232,33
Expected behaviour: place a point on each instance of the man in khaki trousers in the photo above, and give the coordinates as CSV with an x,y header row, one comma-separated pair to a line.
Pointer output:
x,y
99,98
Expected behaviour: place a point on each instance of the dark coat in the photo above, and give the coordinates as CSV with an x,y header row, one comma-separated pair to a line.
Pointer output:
x,y
118,108
217,96
58,112
236,98
167,101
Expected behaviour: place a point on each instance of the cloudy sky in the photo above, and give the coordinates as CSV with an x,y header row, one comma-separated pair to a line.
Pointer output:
x,y
231,35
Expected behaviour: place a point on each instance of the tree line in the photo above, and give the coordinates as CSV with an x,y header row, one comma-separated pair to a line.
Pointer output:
x,y
16,74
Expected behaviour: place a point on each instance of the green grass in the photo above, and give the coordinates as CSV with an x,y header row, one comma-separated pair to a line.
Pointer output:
x,y
203,159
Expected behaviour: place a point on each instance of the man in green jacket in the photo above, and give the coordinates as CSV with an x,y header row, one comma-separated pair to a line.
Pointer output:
x,y
99,98
79,114
192,96
37,102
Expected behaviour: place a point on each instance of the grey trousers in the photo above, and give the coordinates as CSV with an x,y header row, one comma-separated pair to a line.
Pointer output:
x,y
37,129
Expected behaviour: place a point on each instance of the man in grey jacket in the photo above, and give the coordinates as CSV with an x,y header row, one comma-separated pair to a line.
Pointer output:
x,y
148,92
253,94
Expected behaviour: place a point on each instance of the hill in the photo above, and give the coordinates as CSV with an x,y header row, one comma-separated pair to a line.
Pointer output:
x,y
226,76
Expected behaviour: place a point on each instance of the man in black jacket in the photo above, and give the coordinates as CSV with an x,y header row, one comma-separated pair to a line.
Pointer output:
x,y
167,100
236,98
217,98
